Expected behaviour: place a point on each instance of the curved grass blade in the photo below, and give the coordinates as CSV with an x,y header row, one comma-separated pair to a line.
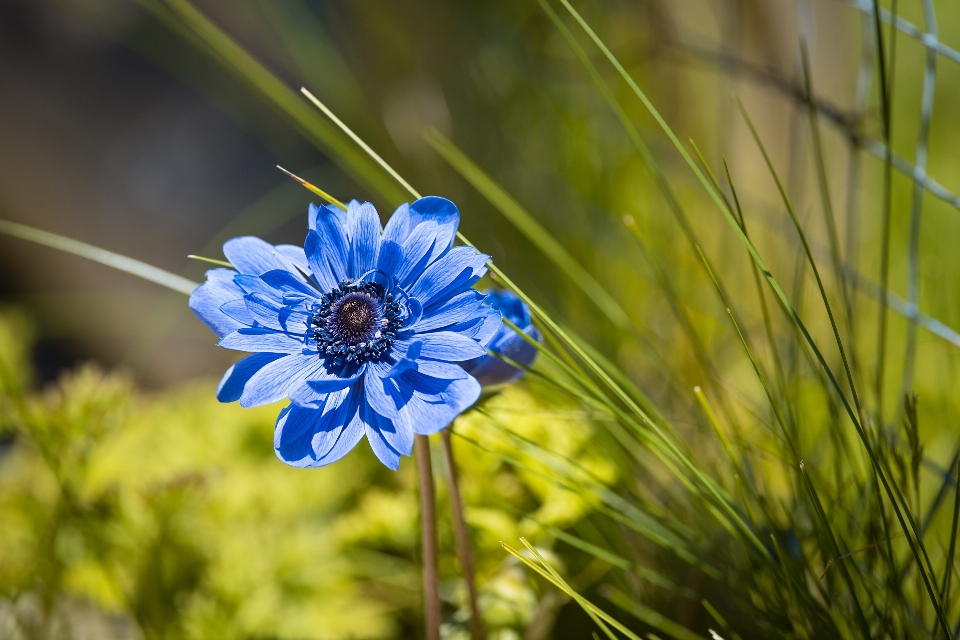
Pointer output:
x,y
96,254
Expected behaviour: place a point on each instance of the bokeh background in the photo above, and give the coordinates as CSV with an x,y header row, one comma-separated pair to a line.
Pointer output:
x,y
140,508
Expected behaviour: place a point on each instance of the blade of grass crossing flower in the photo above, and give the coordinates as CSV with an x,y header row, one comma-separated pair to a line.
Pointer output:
x,y
529,227
96,254
220,263
314,189
363,145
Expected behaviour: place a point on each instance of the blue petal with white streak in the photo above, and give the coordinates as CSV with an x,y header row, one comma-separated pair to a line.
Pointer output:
x,y
386,372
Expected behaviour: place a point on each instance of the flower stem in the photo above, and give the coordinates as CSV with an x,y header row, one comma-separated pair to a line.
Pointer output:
x,y
463,538
428,521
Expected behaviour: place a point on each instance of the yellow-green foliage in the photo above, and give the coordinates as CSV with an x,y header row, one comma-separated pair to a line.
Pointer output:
x,y
170,513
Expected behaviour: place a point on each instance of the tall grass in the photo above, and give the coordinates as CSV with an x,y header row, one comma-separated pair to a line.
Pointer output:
x,y
760,463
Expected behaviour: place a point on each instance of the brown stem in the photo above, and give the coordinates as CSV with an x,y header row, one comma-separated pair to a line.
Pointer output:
x,y
428,521
463,538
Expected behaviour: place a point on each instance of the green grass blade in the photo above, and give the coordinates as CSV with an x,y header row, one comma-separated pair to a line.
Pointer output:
x,y
809,256
96,254
835,548
649,616
529,227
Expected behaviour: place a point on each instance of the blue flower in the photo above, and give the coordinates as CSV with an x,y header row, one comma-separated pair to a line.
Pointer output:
x,y
490,370
361,329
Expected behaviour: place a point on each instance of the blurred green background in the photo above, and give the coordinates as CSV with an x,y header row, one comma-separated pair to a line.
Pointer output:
x,y
133,505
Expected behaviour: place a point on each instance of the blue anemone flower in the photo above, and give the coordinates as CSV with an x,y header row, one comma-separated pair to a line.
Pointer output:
x,y
490,370
361,329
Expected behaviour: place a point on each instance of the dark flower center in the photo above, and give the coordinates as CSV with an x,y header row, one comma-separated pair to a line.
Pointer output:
x,y
356,322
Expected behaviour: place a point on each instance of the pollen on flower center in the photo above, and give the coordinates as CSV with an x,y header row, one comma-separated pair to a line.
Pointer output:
x,y
356,322
354,317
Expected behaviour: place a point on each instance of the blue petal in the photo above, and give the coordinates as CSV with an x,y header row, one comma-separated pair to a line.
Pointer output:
x,y
452,273
439,210
276,380
419,251
377,429
407,362
314,437
433,404
461,307
334,383
484,328
233,381
448,346
294,255
253,284
288,282
390,258
326,249
380,391
275,316
314,214
326,382
341,442
363,231
207,299
262,340
511,306
237,309
253,256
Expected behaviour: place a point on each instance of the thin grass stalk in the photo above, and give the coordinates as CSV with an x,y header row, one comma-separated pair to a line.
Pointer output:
x,y
529,227
826,204
809,256
767,322
462,537
952,547
916,204
776,287
662,184
753,362
96,254
886,86
828,530
428,528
